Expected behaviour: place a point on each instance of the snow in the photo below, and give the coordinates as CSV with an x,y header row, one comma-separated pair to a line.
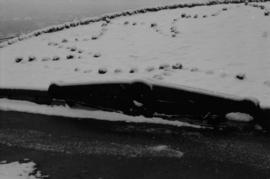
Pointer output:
x,y
223,48
17,170
240,117
65,111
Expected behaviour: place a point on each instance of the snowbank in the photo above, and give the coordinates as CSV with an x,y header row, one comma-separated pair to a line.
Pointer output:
x,y
17,170
216,46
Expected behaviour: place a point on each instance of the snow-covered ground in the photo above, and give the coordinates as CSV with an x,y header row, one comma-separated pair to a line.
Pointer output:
x,y
18,170
223,48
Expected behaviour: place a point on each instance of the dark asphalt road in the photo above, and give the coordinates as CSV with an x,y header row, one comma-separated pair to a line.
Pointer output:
x,y
73,148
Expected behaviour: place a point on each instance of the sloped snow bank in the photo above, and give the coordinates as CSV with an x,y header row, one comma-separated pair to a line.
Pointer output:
x,y
25,106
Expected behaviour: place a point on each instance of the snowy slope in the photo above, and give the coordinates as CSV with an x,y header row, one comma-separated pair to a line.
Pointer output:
x,y
223,48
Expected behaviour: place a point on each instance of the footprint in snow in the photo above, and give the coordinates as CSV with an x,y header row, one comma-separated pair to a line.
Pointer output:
x,y
18,59
45,59
150,69
69,57
164,66
194,69
209,72
87,71
133,70
102,70
158,77
118,70
64,40
31,58
240,76
97,55
177,66
223,75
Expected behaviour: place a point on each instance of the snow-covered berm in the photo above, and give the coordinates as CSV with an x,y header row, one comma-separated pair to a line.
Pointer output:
x,y
17,170
223,48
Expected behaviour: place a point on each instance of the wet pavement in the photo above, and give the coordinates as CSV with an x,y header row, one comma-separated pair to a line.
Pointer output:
x,y
74,148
